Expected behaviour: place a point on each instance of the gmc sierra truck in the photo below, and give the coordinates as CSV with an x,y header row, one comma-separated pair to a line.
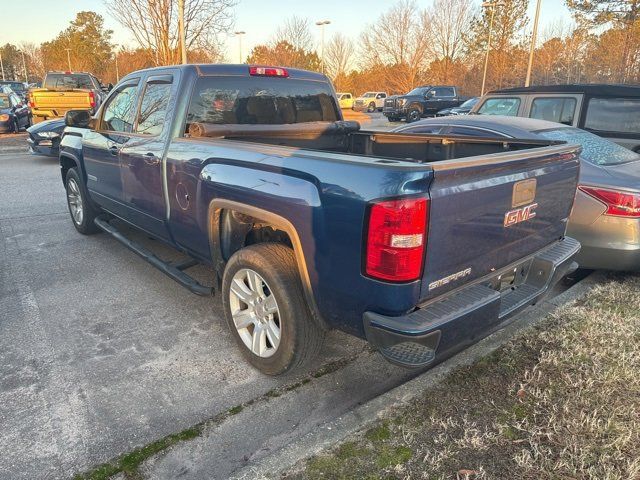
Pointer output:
x,y
421,102
422,244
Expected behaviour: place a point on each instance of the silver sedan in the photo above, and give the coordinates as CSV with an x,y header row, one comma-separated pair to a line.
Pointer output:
x,y
606,214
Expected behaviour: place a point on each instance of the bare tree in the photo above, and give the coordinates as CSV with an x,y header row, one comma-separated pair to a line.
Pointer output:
x,y
153,24
34,59
295,31
338,55
448,22
399,39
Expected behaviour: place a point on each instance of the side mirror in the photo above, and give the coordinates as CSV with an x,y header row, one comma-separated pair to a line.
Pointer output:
x,y
429,94
78,119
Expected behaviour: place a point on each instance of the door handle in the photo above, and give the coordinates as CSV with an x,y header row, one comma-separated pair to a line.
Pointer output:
x,y
151,159
114,150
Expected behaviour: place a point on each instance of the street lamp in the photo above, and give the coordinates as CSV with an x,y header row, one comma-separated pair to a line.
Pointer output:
x,y
492,5
533,43
239,35
181,34
2,66
321,24
69,57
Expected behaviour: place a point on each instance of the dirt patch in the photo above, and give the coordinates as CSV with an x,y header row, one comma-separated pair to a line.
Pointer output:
x,y
561,401
13,142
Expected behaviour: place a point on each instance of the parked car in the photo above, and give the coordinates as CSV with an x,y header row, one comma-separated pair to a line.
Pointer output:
x,y
311,224
64,91
421,102
463,109
609,111
14,114
18,87
606,214
44,137
345,100
370,101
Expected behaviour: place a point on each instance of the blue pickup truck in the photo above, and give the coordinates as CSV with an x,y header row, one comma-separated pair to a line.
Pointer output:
x,y
422,244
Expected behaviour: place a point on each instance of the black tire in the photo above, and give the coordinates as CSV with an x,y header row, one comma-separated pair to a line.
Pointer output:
x,y
85,224
300,336
15,126
393,119
29,122
413,115
371,107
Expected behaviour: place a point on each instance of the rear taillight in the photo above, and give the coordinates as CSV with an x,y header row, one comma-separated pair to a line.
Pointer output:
x,y
92,99
268,71
396,239
618,202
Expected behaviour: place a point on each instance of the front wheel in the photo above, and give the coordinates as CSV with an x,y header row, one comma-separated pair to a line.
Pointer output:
x,y
413,115
82,212
371,108
265,309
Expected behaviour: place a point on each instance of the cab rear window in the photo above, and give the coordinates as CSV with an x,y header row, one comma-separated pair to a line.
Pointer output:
x,y
261,101
68,80
613,115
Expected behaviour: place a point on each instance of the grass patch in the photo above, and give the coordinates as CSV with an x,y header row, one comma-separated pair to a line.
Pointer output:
x,y
560,401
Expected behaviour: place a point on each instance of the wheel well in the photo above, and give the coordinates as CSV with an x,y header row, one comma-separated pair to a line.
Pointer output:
x,y
238,230
66,164
417,106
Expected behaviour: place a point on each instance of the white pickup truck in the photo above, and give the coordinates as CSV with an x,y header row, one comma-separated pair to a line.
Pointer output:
x,y
370,101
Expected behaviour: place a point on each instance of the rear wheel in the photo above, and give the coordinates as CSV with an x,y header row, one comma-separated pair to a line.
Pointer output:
x,y
82,212
265,309
15,126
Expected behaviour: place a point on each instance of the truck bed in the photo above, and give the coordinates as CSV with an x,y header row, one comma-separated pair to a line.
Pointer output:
x,y
346,137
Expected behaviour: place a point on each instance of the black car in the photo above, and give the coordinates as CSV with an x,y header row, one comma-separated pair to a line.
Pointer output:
x,y
18,87
44,137
463,109
421,102
14,114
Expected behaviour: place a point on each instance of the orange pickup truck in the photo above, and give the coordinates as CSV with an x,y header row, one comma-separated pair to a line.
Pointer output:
x,y
64,91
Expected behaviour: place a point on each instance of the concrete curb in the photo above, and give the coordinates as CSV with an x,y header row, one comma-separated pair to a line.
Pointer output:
x,y
333,433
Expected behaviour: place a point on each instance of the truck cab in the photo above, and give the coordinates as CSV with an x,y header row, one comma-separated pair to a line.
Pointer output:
x,y
421,102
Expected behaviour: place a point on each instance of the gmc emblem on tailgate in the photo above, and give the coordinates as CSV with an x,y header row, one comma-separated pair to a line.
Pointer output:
x,y
524,192
520,215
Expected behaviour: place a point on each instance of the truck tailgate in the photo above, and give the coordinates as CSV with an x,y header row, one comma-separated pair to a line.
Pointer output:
x,y
489,212
61,101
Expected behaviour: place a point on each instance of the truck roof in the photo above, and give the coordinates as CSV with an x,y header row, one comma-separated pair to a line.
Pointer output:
x,y
213,69
613,90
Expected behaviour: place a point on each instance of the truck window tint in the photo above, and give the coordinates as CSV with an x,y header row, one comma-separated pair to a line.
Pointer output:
x,y
444,92
119,112
154,108
500,106
261,100
613,115
554,109
71,80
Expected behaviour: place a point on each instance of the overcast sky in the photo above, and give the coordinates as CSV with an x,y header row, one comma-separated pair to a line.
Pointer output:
x,y
43,19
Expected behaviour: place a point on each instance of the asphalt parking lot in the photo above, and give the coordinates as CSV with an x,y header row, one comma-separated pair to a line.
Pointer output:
x,y
101,353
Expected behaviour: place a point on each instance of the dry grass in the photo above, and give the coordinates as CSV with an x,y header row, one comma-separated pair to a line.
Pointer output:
x,y
560,402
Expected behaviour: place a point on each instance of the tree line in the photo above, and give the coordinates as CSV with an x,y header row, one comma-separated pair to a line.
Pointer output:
x,y
406,46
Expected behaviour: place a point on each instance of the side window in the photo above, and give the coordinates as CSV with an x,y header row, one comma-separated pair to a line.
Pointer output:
x,y
14,99
444,92
347,96
472,132
154,107
500,106
433,129
554,109
119,112
613,115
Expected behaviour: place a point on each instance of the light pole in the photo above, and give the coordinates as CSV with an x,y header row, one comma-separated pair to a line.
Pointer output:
x,y
492,5
24,67
321,24
239,35
2,67
117,71
181,34
534,35
69,57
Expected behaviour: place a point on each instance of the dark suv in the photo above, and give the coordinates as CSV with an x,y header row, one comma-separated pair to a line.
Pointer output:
x,y
610,111
421,102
